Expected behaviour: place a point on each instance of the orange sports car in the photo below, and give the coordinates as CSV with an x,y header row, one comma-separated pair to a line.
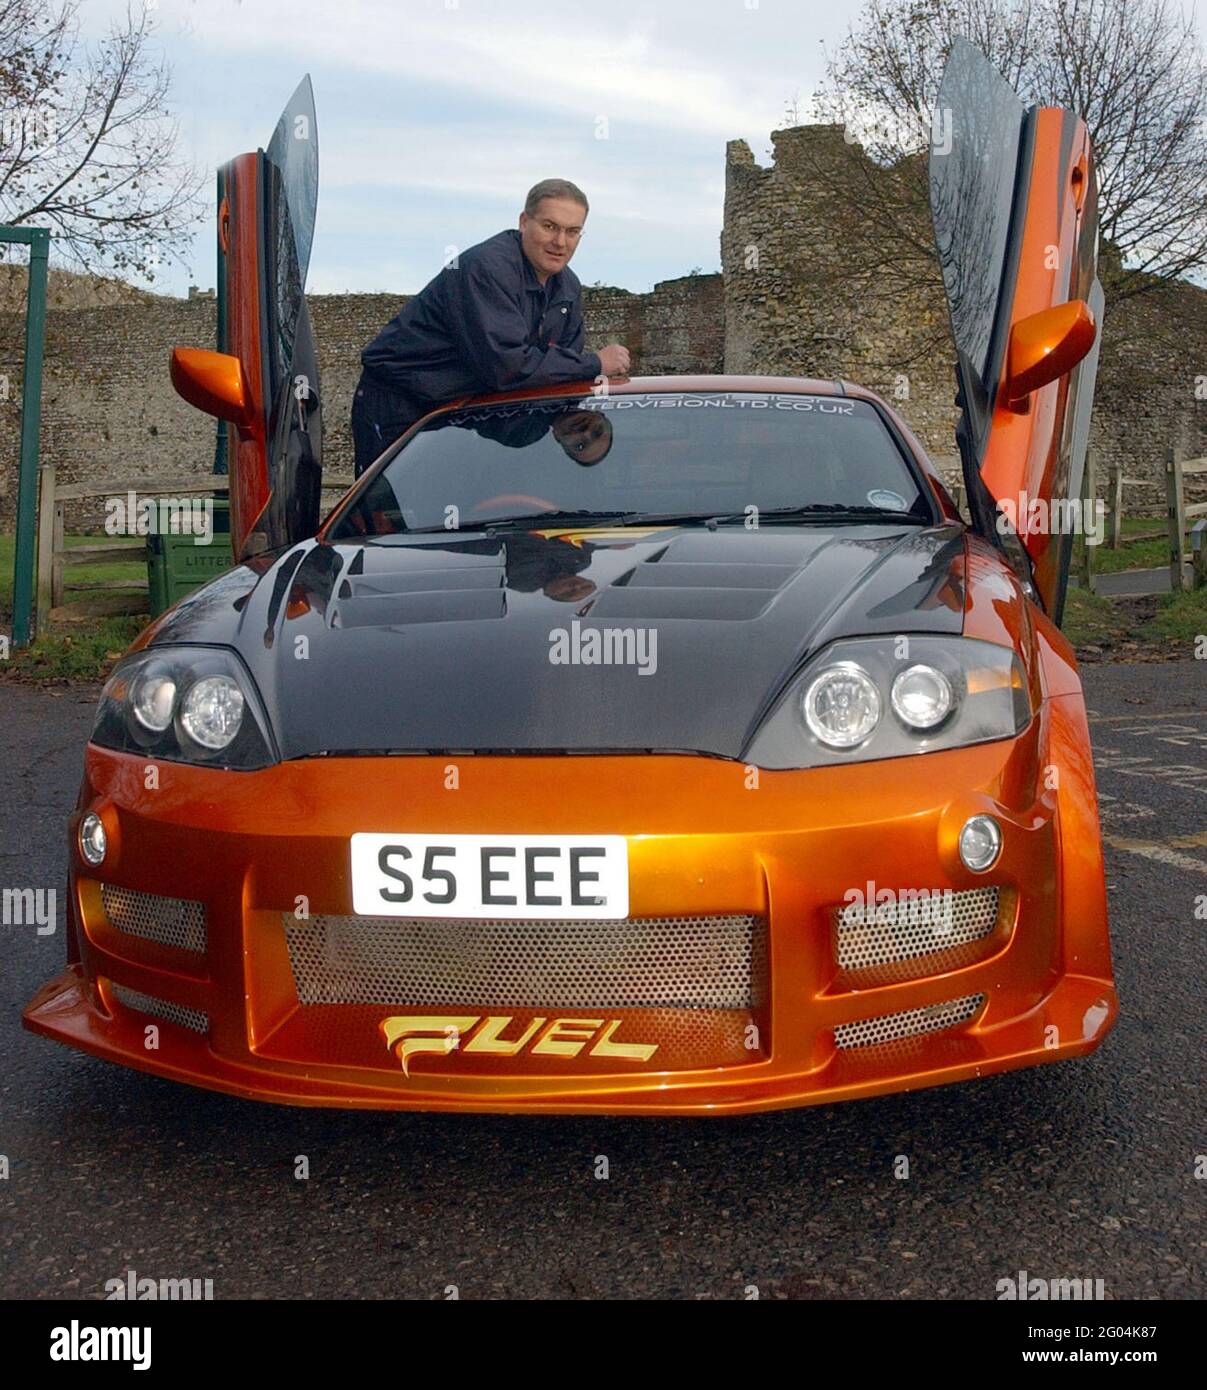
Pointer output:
x,y
670,747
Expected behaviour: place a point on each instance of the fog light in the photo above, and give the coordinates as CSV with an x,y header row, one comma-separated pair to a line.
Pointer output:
x,y
93,841
980,843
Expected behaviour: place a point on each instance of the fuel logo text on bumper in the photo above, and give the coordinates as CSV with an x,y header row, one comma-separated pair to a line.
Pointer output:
x,y
408,1034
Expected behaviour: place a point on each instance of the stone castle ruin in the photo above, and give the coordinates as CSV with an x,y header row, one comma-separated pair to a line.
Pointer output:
x,y
788,301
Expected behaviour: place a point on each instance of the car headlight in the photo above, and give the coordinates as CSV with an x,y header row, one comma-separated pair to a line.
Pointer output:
x,y
153,701
922,697
842,705
185,704
212,711
943,692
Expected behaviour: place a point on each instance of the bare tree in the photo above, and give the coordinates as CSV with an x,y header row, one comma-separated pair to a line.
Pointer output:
x,y
1134,69
87,145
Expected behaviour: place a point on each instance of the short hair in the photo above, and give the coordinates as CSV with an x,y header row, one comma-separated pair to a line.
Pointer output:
x,y
554,188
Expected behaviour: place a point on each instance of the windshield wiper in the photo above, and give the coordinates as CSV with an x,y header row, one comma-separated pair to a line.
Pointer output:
x,y
836,511
822,511
542,521
537,521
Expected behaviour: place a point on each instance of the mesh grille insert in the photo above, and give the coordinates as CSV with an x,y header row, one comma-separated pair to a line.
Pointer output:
x,y
178,922
194,1019
651,962
913,926
869,1032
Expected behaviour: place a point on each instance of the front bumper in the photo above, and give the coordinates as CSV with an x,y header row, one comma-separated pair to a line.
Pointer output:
x,y
706,838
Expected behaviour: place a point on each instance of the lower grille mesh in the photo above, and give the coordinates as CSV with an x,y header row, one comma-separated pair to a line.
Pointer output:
x,y
178,922
651,962
908,927
870,1032
180,1014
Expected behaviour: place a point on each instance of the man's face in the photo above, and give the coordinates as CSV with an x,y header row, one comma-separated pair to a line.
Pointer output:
x,y
569,588
586,435
550,236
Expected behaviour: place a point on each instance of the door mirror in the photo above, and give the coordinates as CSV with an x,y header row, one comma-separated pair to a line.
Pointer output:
x,y
214,382
1045,346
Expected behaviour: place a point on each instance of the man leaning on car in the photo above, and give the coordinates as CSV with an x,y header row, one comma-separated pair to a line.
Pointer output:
x,y
507,314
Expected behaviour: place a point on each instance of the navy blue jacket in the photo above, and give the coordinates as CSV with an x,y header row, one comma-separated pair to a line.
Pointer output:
x,y
487,324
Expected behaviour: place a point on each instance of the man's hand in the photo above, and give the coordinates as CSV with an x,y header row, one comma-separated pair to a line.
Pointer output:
x,y
614,360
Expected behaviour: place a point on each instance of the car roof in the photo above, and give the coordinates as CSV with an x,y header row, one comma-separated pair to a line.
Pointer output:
x,y
717,381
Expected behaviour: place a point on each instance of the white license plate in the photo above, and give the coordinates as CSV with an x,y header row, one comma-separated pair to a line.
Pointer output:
x,y
521,876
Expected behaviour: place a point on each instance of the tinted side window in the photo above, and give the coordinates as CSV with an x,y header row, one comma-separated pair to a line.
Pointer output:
x,y
972,198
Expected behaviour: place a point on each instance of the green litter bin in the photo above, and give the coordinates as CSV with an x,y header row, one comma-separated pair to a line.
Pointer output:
x,y
177,564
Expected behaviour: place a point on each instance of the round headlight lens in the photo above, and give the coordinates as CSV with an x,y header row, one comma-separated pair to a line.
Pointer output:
x,y
842,705
153,701
921,697
980,843
212,711
94,843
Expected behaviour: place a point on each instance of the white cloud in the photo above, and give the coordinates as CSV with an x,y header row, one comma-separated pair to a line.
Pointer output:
x,y
433,121
581,62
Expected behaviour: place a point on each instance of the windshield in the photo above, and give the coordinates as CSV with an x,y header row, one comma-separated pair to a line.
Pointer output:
x,y
629,457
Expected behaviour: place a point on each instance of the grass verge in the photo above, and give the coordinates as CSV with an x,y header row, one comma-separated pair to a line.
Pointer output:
x,y
84,653
1158,627
80,650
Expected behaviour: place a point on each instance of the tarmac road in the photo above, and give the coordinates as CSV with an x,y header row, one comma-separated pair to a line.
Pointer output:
x,y
1082,1170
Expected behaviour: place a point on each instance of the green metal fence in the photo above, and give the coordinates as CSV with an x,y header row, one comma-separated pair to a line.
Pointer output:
x,y
38,241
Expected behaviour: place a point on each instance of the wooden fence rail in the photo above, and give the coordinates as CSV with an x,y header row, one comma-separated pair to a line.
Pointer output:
x,y
1114,508
54,554
1180,512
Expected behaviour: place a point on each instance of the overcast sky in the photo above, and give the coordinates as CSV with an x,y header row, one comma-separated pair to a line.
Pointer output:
x,y
436,116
